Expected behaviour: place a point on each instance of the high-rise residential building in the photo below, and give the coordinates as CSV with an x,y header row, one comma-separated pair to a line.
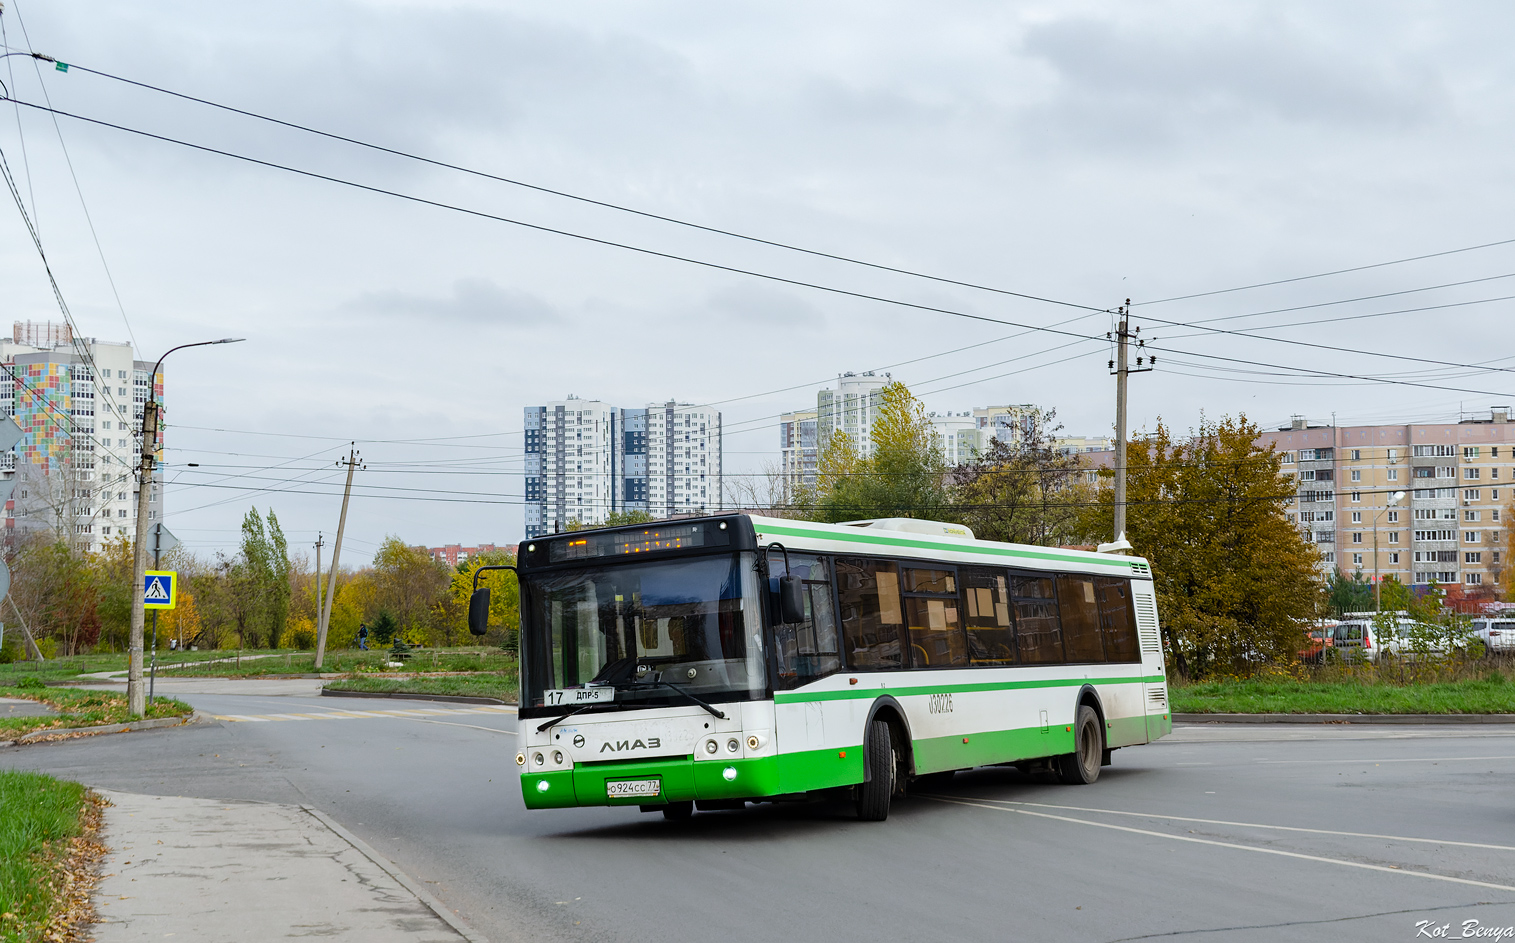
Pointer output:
x,y
798,452
850,408
587,459
1447,527
79,402
958,435
1079,444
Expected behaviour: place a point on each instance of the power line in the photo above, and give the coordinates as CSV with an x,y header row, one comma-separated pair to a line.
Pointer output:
x,y
604,204
1343,271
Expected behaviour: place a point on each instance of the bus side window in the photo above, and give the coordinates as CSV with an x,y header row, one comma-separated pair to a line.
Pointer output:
x,y
869,594
986,599
805,650
1038,632
1080,612
936,631
1117,618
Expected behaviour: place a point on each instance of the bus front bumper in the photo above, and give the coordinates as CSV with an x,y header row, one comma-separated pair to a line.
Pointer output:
x,y
678,779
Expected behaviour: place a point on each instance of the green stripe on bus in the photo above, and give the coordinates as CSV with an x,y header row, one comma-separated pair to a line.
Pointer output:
x,y
800,697
866,537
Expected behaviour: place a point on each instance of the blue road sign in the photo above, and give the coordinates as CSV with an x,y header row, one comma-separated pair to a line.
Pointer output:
x,y
160,589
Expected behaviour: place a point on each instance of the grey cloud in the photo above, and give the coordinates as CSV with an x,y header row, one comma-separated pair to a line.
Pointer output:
x,y
476,301
760,307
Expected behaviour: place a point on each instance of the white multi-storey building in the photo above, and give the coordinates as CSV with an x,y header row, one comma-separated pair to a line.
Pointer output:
x,y
79,403
587,459
683,459
850,408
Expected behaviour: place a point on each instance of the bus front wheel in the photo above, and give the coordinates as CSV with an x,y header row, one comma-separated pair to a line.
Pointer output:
x,y
873,796
1081,767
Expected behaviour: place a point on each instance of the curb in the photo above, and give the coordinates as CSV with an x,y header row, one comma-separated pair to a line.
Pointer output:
x,y
401,695
391,869
38,736
1344,718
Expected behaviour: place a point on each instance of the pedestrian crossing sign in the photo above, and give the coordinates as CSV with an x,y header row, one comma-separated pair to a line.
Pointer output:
x,y
160,589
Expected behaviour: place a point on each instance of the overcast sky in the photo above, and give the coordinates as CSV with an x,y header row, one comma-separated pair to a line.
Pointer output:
x,y
1081,152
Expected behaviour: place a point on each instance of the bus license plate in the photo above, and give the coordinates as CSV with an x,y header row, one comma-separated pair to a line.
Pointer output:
x,y
575,696
638,788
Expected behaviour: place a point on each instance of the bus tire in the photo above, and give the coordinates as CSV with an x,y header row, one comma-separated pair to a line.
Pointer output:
x,y
678,811
1081,767
873,795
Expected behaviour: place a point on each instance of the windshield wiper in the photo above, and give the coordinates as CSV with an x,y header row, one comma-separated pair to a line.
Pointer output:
x,y
581,707
678,690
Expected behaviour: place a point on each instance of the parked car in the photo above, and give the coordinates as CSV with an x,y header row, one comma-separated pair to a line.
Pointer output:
x,y
1355,640
1498,635
1317,641
1412,639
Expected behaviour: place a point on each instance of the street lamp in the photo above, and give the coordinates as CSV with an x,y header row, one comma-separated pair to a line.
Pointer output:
x,y
136,693
1394,499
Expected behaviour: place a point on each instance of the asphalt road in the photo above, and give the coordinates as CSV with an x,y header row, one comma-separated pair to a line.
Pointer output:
x,y
1171,842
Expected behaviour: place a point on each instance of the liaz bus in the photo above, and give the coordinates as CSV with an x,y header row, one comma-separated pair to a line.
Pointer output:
x,y
705,663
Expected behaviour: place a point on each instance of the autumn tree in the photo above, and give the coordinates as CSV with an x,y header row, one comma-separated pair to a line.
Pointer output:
x,y
1235,579
408,584
903,474
1025,491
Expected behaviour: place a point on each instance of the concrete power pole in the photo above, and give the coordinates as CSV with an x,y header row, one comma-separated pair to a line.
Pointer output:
x,y
320,542
336,554
136,692
1121,367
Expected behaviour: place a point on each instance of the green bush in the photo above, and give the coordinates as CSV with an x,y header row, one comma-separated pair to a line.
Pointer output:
x,y
30,683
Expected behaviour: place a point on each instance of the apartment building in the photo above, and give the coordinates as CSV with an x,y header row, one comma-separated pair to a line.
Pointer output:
x,y
79,402
1423,502
587,459
453,554
798,450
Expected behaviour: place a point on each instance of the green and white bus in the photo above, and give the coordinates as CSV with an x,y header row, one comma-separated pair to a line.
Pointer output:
x,y
705,663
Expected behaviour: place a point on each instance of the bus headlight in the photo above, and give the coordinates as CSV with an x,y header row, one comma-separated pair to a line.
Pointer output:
x,y
520,759
733,745
753,743
542,785
729,774
712,747
557,756
539,759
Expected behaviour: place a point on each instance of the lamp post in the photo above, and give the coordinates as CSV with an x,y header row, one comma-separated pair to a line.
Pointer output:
x,y
136,693
1394,499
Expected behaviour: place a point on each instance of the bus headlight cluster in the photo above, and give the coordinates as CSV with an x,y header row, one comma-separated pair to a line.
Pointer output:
x,y
557,756
712,747
538,759
733,745
520,759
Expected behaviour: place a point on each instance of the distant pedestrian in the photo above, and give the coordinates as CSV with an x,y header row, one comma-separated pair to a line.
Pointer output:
x,y
363,636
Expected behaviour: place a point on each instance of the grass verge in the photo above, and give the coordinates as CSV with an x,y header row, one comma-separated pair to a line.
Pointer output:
x,y
500,685
47,857
70,666
80,709
1492,695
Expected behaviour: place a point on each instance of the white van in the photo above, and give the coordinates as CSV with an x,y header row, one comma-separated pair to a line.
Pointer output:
x,y
1498,634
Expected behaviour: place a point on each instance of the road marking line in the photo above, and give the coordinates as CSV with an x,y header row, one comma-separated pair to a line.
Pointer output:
x,y
1233,845
453,723
240,717
1282,828
1412,759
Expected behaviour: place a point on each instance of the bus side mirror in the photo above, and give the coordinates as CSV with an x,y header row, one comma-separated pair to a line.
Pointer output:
x,y
478,611
791,599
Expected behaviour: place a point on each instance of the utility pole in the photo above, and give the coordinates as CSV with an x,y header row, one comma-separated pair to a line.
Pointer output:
x,y
320,542
136,693
1121,367
336,554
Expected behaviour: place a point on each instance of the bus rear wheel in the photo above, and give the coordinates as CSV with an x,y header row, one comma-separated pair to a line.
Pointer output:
x,y
1081,767
873,796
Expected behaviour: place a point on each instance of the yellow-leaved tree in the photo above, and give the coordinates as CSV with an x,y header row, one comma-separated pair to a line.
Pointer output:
x,y
902,475
1236,582
504,597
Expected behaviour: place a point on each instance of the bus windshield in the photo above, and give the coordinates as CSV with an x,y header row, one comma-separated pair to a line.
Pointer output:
x,y
660,633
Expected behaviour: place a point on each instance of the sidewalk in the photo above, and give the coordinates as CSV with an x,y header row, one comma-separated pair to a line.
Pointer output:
x,y
230,872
